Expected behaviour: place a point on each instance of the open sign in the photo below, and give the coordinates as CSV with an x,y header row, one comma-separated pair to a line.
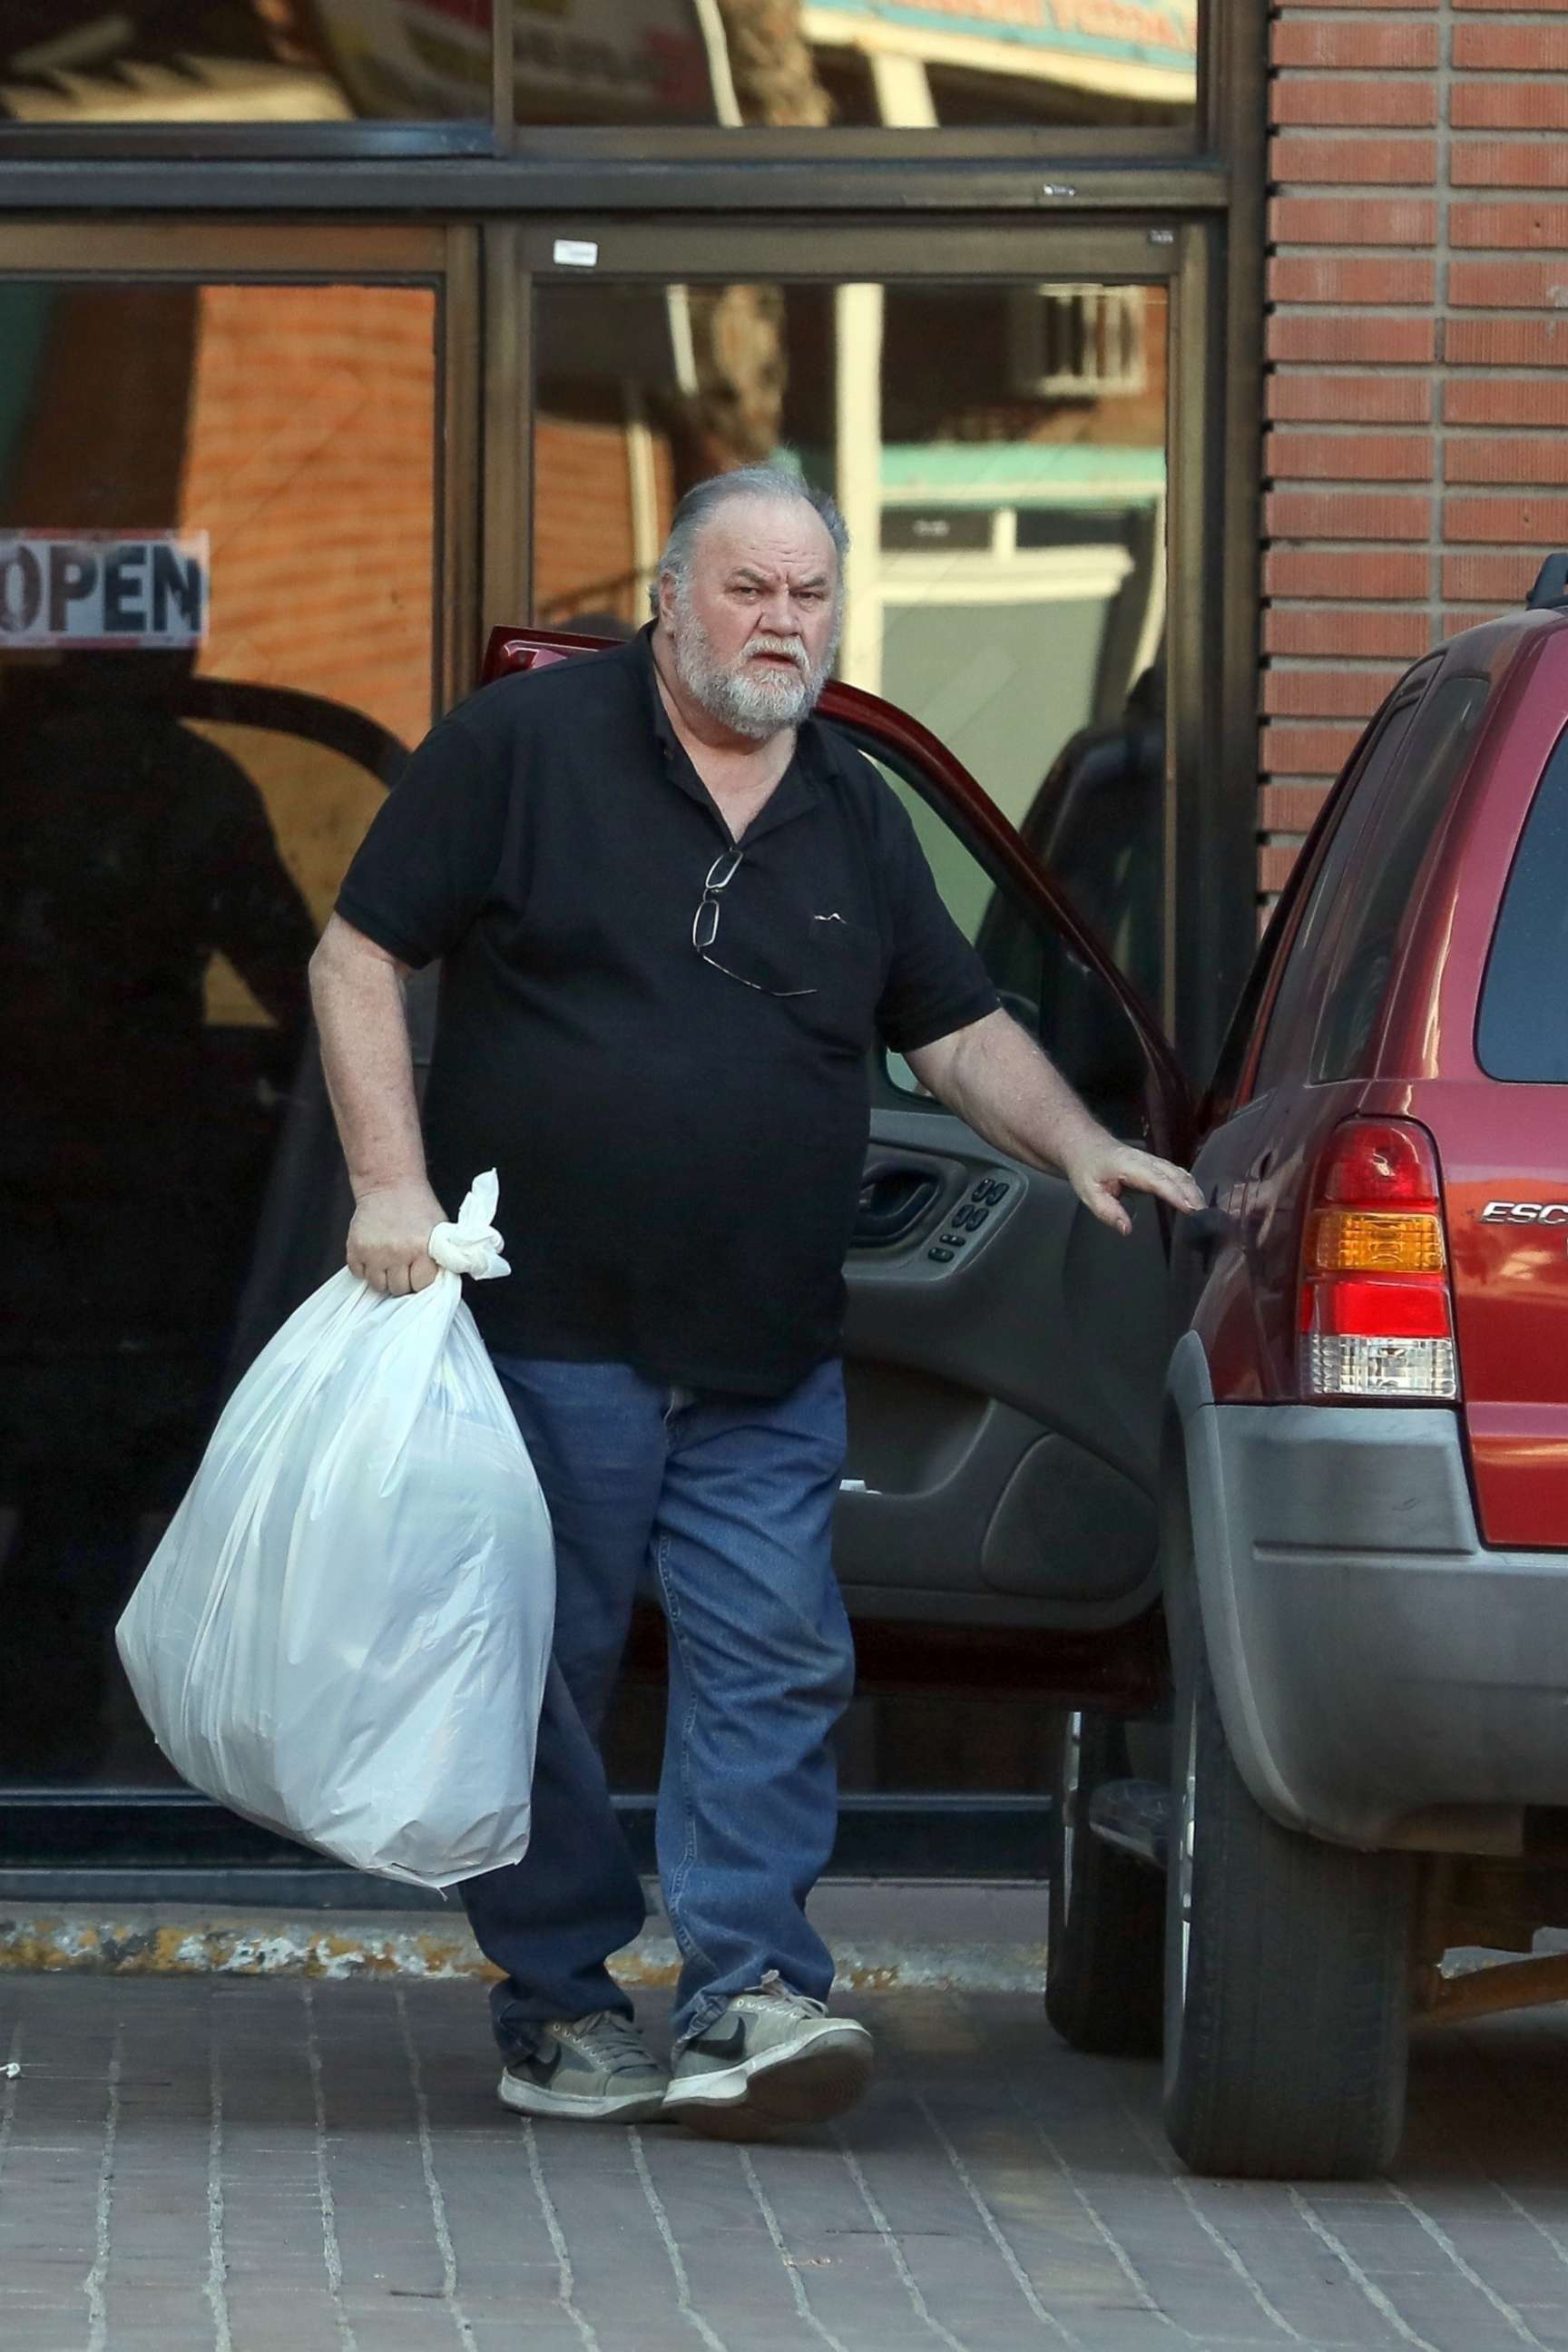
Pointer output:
x,y
89,588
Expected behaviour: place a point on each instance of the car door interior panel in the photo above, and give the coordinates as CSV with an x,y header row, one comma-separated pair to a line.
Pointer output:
x,y
999,1467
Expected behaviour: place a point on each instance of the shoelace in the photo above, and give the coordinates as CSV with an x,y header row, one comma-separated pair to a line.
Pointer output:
x,y
612,2041
775,1989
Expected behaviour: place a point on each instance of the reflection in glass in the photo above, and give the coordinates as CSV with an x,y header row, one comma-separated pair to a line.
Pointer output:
x,y
173,822
908,64
425,60
900,64
149,62
999,454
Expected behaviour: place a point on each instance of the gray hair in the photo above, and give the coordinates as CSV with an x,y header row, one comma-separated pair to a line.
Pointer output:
x,y
703,500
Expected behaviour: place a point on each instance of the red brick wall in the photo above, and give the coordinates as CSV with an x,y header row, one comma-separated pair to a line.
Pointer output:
x,y
1415,461
310,458
585,555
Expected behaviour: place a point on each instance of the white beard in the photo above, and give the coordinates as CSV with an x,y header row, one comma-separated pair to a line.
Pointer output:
x,y
753,697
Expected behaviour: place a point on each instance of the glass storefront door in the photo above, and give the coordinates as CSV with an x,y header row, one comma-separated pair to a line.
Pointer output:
x,y
225,610
1007,421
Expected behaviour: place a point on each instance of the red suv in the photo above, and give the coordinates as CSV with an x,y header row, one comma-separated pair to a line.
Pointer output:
x,y
1272,1502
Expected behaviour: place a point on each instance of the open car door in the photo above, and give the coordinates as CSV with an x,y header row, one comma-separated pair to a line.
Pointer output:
x,y
1005,1353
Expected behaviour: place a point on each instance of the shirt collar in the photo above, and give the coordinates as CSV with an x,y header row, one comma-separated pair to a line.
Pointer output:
x,y
798,789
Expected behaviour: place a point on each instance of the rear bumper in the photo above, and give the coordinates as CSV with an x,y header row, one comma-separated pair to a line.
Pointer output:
x,y
1384,1678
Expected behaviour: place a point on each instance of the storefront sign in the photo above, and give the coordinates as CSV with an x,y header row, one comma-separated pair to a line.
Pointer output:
x,y
1140,32
96,589
577,60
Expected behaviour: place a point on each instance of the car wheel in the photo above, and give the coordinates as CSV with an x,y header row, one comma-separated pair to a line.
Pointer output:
x,y
1287,1977
1106,1916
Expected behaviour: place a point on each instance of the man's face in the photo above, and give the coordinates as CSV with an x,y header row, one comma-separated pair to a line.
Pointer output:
x,y
754,627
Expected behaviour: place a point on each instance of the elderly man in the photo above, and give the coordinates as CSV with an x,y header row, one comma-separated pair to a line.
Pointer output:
x,y
674,911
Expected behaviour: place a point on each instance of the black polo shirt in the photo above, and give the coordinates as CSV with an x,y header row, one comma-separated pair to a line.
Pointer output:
x,y
680,1152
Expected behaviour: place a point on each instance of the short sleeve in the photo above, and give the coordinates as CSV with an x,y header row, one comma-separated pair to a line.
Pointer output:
x,y
427,865
936,982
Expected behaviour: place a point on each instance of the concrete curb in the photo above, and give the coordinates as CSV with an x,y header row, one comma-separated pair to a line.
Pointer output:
x,y
171,1939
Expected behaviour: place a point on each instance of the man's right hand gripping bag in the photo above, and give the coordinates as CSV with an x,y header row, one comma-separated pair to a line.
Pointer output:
x,y
345,1630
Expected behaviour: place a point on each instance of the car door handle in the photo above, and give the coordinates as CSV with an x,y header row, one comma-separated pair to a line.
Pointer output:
x,y
891,1204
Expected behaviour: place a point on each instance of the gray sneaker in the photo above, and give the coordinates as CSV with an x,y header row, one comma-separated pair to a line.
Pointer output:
x,y
773,2059
596,2068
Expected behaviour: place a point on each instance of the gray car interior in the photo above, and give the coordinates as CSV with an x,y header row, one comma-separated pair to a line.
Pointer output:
x,y
1005,1352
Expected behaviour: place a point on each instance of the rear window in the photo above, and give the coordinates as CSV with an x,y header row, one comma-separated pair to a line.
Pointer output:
x,y
1388,861
1522,1032
1282,1048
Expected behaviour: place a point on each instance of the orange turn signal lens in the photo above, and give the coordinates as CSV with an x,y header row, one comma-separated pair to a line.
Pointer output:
x,y
1361,1241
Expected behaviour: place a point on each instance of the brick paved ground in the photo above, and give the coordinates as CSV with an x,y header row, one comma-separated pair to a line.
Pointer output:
x,y
276,2166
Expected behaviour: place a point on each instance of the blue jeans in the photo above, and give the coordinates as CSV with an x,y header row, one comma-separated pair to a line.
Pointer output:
x,y
728,1502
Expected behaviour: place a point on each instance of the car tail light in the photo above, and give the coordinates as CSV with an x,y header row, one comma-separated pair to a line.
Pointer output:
x,y
1377,1317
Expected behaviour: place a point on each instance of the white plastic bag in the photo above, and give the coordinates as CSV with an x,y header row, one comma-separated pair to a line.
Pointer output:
x,y
344,1633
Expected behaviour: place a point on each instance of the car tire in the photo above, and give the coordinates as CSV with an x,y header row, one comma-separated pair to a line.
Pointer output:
x,y
1105,1927
1287,1977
